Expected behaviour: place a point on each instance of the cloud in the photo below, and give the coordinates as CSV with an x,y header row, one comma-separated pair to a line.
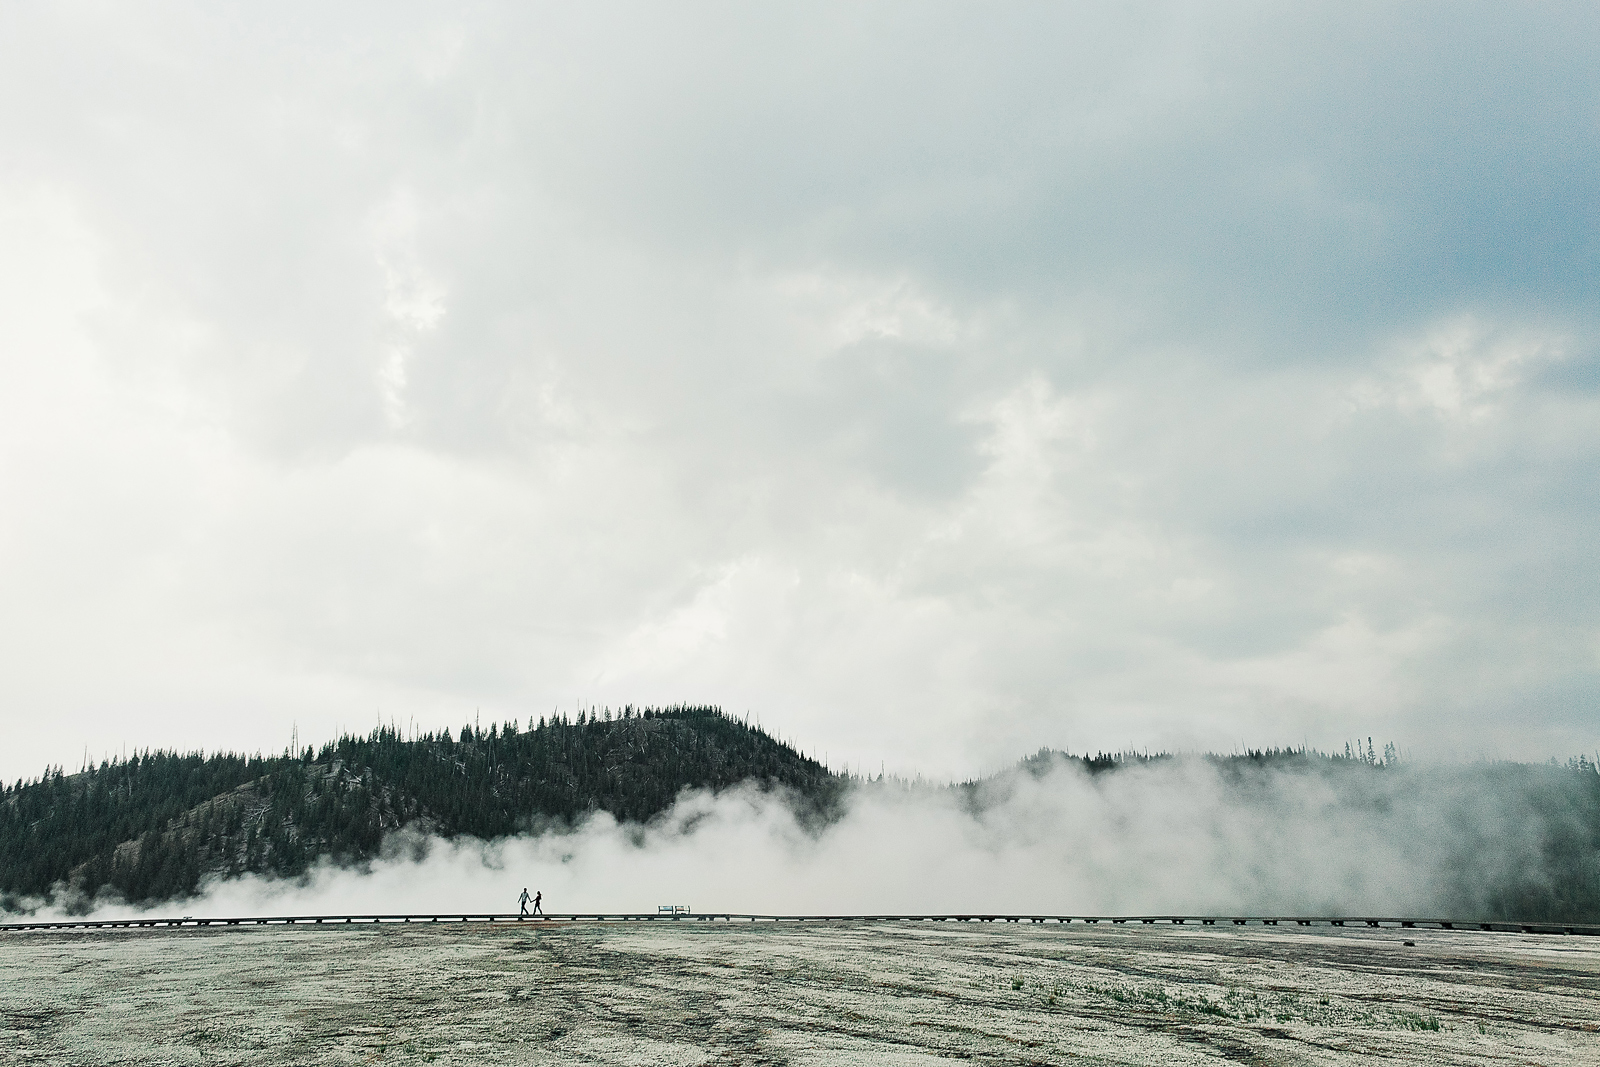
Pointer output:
x,y
1181,837
939,385
1458,374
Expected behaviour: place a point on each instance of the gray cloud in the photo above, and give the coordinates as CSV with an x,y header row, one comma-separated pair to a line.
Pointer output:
x,y
939,383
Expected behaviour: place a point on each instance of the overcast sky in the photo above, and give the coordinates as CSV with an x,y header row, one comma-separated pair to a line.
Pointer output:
x,y
934,381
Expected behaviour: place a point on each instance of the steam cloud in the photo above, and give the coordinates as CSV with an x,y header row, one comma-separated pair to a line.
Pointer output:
x,y
1180,836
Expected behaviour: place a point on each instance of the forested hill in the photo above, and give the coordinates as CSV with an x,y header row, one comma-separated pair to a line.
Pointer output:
x,y
151,826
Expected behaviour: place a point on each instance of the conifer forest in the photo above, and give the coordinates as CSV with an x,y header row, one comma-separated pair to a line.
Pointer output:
x,y
155,826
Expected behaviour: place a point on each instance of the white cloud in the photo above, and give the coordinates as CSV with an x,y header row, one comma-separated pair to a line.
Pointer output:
x,y
1460,370
1175,838
1085,377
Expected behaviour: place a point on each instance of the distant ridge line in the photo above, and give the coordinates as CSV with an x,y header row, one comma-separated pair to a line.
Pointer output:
x,y
1362,921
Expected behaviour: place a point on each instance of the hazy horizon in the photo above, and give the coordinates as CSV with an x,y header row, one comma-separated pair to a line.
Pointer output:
x,y
1347,747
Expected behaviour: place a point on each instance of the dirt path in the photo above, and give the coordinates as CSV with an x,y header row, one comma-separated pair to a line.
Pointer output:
x,y
897,994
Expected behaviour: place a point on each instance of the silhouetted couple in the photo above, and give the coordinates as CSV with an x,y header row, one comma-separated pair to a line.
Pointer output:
x,y
536,898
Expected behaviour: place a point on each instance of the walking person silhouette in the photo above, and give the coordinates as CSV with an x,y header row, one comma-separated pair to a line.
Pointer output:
x,y
523,901
537,897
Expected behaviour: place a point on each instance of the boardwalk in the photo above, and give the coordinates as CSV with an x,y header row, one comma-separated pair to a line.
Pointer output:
x,y
1372,922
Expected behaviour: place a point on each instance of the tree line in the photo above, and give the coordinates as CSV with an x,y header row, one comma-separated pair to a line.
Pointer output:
x,y
152,826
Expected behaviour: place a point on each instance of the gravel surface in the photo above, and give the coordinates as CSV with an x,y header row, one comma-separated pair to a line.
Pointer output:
x,y
759,993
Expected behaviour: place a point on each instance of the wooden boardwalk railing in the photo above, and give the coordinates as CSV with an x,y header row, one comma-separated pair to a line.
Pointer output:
x,y
189,922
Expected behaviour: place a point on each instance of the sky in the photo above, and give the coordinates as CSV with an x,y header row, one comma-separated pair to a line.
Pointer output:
x,y
934,382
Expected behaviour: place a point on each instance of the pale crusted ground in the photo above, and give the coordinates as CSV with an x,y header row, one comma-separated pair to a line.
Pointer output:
x,y
697,993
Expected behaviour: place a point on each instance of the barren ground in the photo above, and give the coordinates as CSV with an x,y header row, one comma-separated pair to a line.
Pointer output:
x,y
700,993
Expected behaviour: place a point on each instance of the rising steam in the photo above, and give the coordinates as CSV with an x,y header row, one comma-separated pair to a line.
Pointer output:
x,y
1188,835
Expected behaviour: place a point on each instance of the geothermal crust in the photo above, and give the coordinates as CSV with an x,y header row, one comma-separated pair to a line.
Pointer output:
x,y
759,993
